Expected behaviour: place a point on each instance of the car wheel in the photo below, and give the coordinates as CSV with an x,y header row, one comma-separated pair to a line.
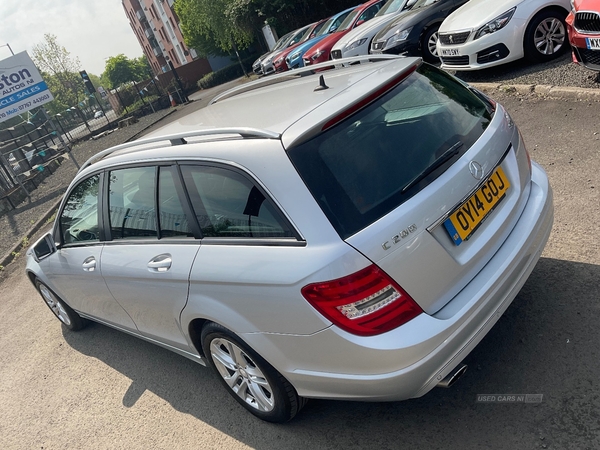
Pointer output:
x,y
546,36
61,310
429,45
252,381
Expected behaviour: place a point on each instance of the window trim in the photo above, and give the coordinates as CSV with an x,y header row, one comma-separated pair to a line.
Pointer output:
x,y
105,236
249,177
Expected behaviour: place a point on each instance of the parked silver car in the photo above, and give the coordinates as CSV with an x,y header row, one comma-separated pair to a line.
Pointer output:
x,y
354,240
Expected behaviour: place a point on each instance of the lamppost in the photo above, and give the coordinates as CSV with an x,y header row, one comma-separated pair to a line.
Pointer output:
x,y
6,45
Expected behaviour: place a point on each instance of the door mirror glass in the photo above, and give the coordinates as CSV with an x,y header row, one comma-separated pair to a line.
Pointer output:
x,y
44,247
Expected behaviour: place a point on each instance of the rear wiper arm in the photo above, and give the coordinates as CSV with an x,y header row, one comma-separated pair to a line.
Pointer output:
x,y
446,156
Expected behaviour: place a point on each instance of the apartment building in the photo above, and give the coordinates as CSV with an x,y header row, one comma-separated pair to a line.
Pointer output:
x,y
156,27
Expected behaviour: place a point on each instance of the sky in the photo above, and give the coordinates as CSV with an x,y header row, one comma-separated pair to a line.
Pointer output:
x,y
91,30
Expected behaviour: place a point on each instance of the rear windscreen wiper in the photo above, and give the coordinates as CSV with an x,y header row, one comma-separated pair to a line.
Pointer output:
x,y
446,156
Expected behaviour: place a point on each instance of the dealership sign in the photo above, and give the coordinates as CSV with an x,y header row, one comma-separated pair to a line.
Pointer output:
x,y
21,86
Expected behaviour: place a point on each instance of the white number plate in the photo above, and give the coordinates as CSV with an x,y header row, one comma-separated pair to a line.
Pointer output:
x,y
450,52
593,43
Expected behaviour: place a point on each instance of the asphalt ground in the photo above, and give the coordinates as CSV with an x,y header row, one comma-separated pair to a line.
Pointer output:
x,y
104,389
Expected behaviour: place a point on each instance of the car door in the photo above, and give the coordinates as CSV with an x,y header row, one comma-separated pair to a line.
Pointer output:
x,y
150,249
75,269
251,260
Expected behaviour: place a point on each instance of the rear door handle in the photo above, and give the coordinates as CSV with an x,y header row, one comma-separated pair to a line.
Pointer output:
x,y
160,263
89,264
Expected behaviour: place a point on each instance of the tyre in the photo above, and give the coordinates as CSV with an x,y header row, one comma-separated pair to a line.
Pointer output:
x,y
546,36
63,312
252,381
429,45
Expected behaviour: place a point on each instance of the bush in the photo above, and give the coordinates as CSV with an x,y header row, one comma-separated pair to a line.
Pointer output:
x,y
227,73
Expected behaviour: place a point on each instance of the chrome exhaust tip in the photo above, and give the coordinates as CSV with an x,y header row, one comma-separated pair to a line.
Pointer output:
x,y
453,376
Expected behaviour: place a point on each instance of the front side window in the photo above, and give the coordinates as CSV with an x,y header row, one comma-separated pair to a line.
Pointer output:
x,y
228,205
79,218
370,163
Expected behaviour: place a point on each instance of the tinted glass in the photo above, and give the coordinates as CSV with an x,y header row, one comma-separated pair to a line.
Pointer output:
x,y
390,7
369,13
131,203
366,165
348,21
227,204
79,218
172,219
316,30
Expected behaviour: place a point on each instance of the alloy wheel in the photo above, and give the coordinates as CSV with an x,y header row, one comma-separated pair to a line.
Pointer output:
x,y
432,44
242,375
55,305
549,36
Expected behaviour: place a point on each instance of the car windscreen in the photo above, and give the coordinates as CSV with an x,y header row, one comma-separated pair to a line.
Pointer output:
x,y
348,21
390,7
373,161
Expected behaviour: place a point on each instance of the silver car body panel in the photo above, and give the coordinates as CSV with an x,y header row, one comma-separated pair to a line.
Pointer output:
x,y
254,290
409,361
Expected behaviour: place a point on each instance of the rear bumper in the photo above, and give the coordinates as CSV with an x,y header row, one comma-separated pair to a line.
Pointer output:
x,y
409,361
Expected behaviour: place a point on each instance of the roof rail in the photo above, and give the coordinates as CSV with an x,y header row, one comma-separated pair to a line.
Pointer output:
x,y
300,72
179,139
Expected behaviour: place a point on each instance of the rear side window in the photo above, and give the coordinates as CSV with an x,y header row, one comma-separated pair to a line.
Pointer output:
x,y
373,161
228,205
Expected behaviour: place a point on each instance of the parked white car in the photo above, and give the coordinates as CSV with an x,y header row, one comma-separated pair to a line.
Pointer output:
x,y
486,33
358,41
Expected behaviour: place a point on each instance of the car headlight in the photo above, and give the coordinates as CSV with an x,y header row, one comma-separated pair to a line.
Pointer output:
x,y
279,60
355,44
399,36
294,56
317,55
497,24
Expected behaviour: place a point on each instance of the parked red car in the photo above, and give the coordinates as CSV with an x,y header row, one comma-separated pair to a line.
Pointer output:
x,y
279,62
320,52
583,25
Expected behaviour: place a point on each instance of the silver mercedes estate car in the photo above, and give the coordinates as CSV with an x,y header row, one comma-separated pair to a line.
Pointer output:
x,y
349,233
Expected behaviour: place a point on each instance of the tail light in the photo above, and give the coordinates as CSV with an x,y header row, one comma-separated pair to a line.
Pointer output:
x,y
365,303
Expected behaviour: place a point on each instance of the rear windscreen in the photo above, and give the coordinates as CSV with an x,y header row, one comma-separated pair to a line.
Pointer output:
x,y
373,161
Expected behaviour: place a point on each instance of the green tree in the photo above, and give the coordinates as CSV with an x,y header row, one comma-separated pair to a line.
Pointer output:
x,y
61,73
208,29
211,27
120,70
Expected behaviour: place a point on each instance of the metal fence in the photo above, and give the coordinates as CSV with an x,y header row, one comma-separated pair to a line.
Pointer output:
x,y
31,149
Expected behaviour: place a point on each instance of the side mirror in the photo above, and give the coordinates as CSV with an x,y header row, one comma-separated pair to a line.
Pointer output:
x,y
360,22
44,247
409,4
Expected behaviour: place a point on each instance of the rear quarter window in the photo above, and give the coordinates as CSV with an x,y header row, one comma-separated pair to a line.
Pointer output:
x,y
358,170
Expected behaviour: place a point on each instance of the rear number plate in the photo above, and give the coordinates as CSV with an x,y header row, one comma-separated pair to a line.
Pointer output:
x,y
465,220
450,52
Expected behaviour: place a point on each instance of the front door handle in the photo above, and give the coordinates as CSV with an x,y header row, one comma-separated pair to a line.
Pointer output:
x,y
160,263
89,264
